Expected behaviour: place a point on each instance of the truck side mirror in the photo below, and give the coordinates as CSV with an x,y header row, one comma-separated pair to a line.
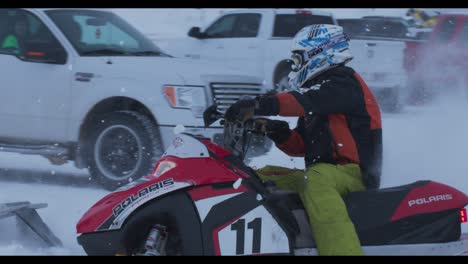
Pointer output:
x,y
194,32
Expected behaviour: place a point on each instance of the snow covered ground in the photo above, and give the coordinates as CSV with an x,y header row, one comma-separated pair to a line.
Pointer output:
x,y
421,143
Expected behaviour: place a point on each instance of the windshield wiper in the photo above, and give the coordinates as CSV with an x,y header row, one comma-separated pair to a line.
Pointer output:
x,y
105,52
150,53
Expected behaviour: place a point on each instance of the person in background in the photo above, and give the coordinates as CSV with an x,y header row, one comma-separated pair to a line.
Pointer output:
x,y
15,39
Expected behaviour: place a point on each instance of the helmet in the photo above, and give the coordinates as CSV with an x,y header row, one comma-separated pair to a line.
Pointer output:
x,y
315,49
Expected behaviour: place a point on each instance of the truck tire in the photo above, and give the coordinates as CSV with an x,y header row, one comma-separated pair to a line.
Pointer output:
x,y
390,101
123,146
418,93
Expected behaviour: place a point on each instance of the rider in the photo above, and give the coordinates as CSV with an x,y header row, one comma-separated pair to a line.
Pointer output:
x,y
17,36
422,17
338,132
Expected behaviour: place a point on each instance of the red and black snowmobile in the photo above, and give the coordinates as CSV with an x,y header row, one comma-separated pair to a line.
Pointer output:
x,y
201,199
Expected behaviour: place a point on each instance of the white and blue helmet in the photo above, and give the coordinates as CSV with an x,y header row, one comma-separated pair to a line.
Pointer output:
x,y
315,49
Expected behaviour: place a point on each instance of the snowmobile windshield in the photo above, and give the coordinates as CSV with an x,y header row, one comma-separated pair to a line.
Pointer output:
x,y
102,33
237,136
186,146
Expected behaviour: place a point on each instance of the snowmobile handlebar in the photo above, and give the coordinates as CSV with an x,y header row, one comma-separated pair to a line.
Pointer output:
x,y
254,125
236,133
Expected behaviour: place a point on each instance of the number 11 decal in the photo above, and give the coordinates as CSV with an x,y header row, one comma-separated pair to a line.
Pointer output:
x,y
239,227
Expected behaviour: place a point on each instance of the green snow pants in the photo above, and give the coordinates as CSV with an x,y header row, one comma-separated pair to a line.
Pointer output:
x,y
321,189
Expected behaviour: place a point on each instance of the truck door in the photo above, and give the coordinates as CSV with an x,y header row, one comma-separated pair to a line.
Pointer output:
x,y
232,40
378,53
244,49
35,79
212,45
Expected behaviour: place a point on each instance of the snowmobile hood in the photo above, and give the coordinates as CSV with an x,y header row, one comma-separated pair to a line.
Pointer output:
x,y
111,211
189,161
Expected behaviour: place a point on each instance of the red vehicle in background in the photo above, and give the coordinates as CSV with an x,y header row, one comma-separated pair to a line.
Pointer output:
x,y
439,63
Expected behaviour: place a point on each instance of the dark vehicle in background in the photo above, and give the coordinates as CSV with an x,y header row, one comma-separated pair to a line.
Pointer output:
x,y
441,62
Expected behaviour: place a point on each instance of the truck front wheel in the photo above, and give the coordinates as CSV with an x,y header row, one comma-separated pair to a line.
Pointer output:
x,y
123,146
389,100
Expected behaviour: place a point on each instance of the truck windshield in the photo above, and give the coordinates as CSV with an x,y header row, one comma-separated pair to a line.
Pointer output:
x,y
102,33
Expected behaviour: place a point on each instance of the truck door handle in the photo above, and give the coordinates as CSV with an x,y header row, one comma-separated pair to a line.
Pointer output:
x,y
371,44
252,47
193,56
220,47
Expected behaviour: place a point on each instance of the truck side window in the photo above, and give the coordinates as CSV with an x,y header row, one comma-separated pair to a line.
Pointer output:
x,y
286,26
392,29
464,33
14,32
446,30
222,28
384,29
247,26
23,34
351,27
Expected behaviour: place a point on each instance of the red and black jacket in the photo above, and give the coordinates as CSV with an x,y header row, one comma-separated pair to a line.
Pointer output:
x,y
339,122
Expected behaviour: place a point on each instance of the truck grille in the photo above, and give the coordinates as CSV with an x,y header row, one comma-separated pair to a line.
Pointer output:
x,y
225,94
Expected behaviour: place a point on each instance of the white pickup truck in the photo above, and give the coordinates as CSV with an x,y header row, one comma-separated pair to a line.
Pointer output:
x,y
378,45
256,41
83,85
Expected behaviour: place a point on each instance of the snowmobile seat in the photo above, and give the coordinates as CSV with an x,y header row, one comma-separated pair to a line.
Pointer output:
x,y
371,212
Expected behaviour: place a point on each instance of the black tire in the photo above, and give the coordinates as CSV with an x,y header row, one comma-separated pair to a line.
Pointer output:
x,y
132,144
390,101
175,211
418,93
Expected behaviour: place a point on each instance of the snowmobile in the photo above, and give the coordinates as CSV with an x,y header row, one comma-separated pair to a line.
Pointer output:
x,y
201,199
27,220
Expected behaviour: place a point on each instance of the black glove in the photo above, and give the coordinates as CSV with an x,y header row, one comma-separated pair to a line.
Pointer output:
x,y
241,110
276,130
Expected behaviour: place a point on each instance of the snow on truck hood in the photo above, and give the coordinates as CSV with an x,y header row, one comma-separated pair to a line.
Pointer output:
x,y
187,71
211,71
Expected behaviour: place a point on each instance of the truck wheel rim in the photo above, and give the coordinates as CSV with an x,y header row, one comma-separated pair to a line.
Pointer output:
x,y
118,152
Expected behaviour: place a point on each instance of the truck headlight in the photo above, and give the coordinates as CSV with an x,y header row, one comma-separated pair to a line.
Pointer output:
x,y
186,97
